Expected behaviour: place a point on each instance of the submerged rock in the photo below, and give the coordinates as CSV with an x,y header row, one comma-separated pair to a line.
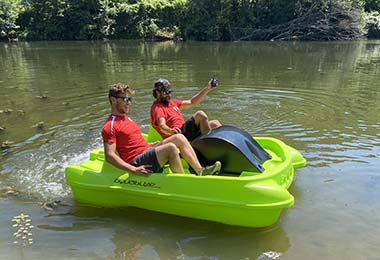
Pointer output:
x,y
21,112
50,206
8,191
40,125
6,111
6,144
42,97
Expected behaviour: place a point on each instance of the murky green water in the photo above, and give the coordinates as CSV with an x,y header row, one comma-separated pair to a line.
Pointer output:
x,y
321,98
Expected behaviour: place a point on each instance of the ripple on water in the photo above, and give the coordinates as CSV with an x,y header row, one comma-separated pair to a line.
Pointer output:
x,y
320,120
39,172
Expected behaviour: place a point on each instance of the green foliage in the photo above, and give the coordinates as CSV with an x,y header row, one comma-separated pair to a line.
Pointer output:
x,y
62,19
275,11
9,13
80,18
156,19
200,20
373,24
372,5
45,20
236,18
146,18
104,21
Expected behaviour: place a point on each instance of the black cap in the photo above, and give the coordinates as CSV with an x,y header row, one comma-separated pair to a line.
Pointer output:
x,y
160,83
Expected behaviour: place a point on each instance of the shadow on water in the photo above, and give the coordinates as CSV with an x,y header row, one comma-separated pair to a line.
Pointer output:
x,y
140,234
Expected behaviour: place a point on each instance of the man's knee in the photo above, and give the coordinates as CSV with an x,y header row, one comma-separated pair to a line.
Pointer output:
x,y
200,115
171,147
180,139
215,123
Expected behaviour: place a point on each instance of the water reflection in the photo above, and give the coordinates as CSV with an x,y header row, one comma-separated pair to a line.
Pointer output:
x,y
303,93
321,98
140,234
271,79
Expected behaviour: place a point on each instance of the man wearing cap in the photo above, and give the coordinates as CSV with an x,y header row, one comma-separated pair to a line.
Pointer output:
x,y
166,116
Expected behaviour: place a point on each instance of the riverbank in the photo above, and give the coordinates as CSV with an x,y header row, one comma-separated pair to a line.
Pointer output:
x,y
201,20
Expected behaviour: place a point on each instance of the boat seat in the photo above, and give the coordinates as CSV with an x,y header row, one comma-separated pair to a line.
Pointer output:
x,y
153,135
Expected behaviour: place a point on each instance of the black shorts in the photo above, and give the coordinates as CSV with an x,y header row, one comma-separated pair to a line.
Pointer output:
x,y
148,157
190,129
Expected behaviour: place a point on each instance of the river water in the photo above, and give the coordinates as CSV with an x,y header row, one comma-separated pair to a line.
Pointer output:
x,y
321,98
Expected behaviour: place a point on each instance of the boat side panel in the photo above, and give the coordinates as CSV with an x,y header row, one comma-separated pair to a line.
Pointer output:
x,y
240,216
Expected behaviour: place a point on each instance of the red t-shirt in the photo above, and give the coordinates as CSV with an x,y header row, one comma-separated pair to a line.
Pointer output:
x,y
170,112
123,131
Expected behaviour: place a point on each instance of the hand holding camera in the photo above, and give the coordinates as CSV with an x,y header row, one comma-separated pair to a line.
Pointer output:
x,y
214,82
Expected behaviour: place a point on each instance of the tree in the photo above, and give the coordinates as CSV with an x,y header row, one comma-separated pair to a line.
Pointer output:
x,y
318,20
9,13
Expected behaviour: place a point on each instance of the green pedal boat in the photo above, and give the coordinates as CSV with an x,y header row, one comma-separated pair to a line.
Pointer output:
x,y
252,196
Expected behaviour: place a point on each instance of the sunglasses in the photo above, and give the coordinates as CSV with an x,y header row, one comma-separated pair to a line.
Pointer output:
x,y
125,99
166,91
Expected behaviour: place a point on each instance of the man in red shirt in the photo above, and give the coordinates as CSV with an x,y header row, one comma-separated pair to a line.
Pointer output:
x,y
122,135
166,116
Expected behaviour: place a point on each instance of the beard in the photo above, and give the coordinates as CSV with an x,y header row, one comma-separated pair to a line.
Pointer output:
x,y
165,100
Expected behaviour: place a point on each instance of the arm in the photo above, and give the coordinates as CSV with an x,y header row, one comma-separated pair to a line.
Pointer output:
x,y
115,160
161,122
197,97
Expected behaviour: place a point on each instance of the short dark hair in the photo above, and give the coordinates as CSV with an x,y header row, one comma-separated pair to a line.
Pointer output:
x,y
159,85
